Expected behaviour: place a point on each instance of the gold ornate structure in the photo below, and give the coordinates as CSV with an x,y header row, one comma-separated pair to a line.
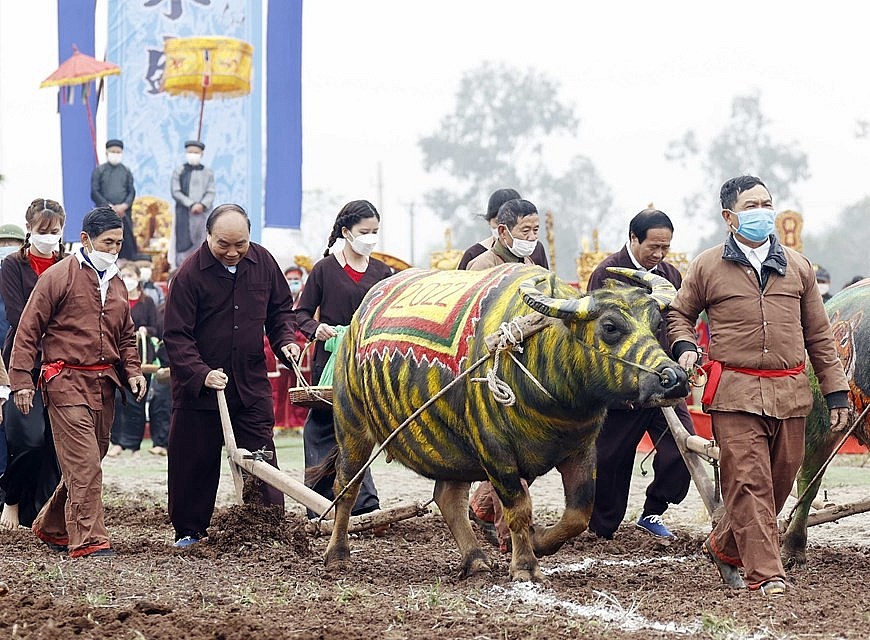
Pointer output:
x,y
305,262
588,260
396,264
551,238
152,225
447,259
789,225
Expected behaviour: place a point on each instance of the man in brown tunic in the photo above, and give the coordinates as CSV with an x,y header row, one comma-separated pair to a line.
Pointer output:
x,y
78,313
765,314
218,304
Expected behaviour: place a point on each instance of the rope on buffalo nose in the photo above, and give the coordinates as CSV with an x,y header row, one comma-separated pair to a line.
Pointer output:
x,y
511,340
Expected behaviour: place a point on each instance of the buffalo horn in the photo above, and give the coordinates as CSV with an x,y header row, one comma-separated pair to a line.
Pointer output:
x,y
662,291
566,308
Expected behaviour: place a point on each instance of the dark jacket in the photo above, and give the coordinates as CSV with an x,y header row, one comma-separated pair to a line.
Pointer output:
x,y
214,319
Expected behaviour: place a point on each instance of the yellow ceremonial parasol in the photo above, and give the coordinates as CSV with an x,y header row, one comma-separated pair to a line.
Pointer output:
x,y
79,70
207,67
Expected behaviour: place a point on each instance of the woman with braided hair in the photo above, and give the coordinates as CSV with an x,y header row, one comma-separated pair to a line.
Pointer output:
x,y
32,472
336,286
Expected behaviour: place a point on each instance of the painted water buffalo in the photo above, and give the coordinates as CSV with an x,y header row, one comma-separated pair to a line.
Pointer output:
x,y
419,330
849,312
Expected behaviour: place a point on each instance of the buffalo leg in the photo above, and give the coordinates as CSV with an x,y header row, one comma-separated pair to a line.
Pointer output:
x,y
518,513
452,499
818,448
578,480
351,458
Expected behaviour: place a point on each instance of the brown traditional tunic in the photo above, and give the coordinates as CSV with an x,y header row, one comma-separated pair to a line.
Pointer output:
x,y
772,319
66,313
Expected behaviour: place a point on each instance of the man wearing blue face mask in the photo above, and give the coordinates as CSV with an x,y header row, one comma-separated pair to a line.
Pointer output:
x,y
765,316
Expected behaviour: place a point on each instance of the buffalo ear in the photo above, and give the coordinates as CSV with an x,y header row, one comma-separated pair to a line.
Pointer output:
x,y
660,289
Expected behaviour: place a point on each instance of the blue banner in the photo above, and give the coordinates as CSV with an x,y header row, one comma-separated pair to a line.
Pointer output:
x,y
154,125
75,26
284,114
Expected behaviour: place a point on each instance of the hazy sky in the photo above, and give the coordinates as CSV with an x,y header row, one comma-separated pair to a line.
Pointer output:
x,y
378,75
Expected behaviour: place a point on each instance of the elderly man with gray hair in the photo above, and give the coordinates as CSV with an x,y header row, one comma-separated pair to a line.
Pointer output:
x,y
517,236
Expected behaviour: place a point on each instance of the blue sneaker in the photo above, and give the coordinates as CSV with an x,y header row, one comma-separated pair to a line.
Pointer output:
x,y
187,541
655,526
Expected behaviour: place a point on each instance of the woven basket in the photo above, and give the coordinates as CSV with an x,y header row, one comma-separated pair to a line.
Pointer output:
x,y
311,397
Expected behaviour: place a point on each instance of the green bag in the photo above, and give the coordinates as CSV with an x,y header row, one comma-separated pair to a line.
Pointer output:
x,y
331,345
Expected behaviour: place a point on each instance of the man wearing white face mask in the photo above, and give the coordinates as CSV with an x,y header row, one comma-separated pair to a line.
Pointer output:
x,y
79,315
765,316
112,186
496,199
193,191
517,236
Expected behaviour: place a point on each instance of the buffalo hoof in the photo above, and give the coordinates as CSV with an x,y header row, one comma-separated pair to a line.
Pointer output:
x,y
337,559
794,559
474,563
527,572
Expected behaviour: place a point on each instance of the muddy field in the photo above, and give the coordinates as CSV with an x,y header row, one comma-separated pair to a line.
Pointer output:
x,y
261,576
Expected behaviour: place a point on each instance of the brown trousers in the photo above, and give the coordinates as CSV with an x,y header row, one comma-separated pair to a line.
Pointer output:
x,y
73,515
759,458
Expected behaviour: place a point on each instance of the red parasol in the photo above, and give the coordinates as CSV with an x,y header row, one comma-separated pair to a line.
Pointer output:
x,y
79,70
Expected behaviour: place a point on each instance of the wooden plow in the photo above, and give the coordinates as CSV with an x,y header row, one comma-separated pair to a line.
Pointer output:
x,y
698,453
255,463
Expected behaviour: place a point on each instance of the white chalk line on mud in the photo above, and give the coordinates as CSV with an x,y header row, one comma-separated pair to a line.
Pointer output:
x,y
607,607
588,563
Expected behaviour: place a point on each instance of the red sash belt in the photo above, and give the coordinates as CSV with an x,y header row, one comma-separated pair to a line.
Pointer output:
x,y
714,369
51,369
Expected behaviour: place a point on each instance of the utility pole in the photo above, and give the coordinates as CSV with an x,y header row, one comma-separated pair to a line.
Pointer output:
x,y
380,205
411,219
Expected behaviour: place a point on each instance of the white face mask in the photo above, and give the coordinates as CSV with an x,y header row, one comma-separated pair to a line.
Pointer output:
x,y
193,158
144,274
45,243
114,158
522,248
824,287
101,260
5,251
363,244
131,283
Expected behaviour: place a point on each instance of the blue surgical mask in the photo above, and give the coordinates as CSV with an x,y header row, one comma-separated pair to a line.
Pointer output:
x,y
755,224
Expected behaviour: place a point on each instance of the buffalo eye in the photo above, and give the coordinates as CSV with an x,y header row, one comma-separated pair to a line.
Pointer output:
x,y
611,332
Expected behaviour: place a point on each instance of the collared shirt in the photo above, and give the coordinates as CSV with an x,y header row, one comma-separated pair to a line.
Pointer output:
x,y
756,256
634,260
102,278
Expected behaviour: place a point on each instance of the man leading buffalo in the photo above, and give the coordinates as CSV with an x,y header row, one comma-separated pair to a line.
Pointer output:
x,y
218,305
765,316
